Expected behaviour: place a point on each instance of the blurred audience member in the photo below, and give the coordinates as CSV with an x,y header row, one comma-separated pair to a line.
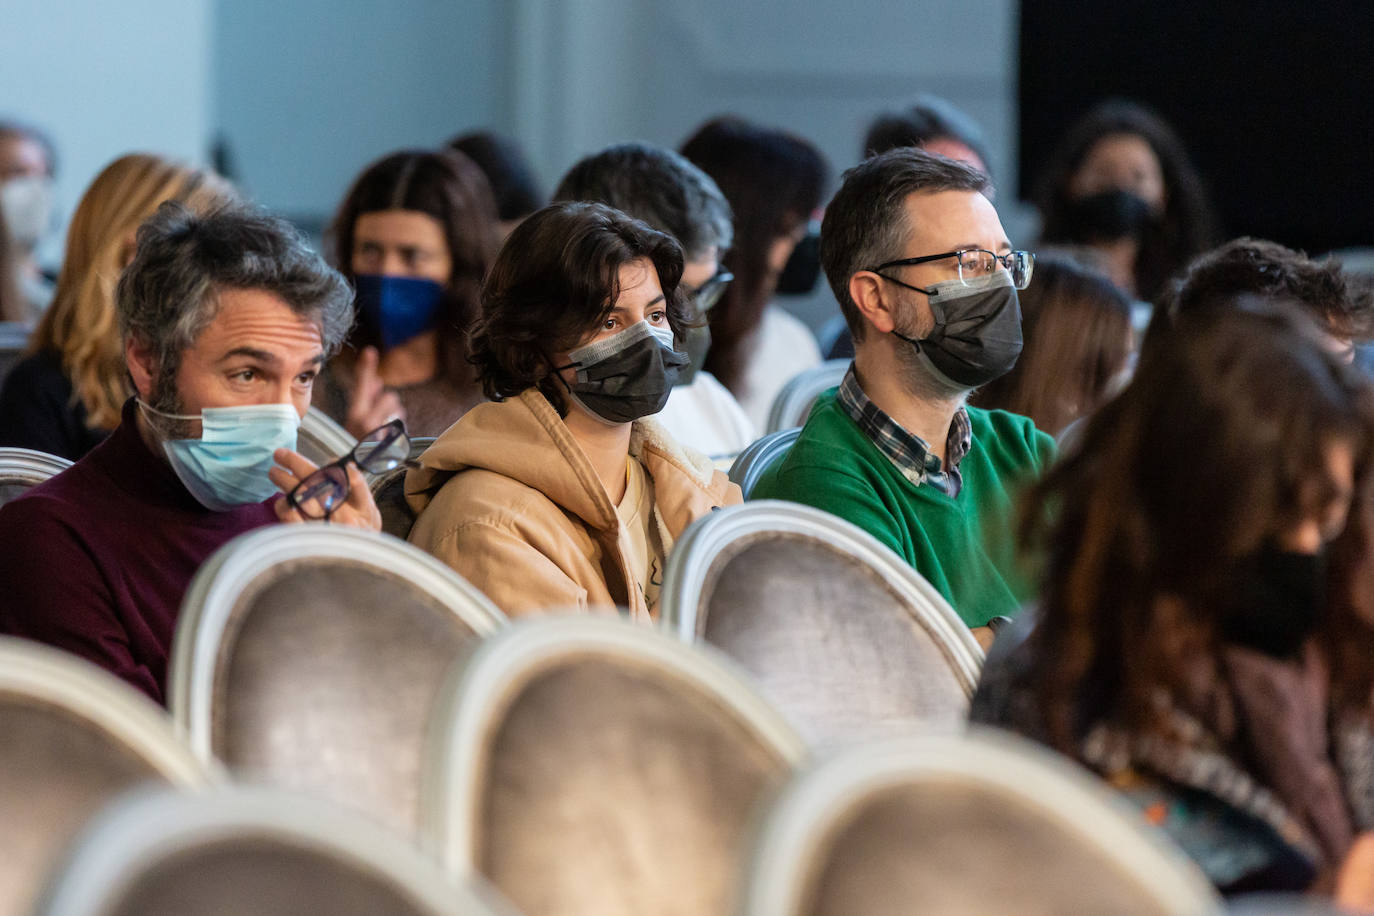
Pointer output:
x,y
1121,181
1077,351
509,172
27,164
934,125
1342,305
895,450
773,181
1207,612
13,306
670,194
226,319
67,393
415,236
564,494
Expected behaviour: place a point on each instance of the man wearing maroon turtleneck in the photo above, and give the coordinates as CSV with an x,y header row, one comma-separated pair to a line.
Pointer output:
x,y
230,310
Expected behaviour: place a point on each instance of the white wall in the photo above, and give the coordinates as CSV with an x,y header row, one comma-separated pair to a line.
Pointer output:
x,y
307,92
594,72
105,79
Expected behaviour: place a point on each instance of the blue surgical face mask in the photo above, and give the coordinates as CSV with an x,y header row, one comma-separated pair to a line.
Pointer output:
x,y
227,466
398,308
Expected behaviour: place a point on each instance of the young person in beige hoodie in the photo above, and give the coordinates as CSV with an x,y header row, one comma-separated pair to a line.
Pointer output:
x,y
562,494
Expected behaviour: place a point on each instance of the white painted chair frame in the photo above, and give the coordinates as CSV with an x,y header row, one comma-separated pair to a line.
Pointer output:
x,y
26,465
795,399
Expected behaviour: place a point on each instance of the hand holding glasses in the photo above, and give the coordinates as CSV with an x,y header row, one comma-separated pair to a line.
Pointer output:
x,y
324,490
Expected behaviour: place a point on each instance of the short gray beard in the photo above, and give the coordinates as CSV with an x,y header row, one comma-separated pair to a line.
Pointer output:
x,y
164,398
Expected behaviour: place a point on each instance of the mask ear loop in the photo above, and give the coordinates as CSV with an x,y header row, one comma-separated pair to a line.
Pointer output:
x,y
897,334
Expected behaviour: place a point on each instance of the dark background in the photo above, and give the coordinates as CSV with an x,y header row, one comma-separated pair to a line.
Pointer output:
x,y
1274,100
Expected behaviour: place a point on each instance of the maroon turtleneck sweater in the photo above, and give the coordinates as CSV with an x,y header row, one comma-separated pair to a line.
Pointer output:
x,y
96,560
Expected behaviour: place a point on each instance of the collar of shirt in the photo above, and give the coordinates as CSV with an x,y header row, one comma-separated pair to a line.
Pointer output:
x,y
908,453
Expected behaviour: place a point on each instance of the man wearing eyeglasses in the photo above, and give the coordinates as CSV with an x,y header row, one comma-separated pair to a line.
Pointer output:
x,y
927,282
226,320
672,195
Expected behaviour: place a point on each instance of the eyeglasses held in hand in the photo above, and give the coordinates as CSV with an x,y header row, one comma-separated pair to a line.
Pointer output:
x,y
324,490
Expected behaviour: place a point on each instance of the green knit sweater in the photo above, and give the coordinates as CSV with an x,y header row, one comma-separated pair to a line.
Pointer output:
x,y
964,545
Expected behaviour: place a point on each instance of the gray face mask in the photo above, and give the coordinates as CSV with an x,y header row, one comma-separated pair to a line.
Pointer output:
x,y
27,205
628,375
977,333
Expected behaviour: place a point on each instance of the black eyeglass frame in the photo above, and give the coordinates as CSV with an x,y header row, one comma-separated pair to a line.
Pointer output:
x,y
708,294
322,475
1003,259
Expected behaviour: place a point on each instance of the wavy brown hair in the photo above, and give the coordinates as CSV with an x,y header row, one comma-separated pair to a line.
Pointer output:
x,y
81,325
1077,329
1215,448
557,278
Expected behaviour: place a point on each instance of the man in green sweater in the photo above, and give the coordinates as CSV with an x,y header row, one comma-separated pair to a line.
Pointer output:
x,y
927,281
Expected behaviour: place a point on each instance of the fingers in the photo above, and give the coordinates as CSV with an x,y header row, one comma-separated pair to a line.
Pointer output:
x,y
372,404
293,462
360,501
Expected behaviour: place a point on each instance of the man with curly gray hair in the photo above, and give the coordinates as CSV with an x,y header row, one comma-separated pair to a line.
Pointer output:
x,y
226,320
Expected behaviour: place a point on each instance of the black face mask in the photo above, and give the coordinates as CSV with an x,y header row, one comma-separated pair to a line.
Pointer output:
x,y
977,333
803,268
1108,216
1274,600
628,375
696,343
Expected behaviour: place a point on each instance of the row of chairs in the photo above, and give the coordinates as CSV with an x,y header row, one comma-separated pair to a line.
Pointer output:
x,y
586,765
578,765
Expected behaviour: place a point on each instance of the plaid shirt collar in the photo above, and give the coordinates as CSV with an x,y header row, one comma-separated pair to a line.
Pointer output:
x,y
909,454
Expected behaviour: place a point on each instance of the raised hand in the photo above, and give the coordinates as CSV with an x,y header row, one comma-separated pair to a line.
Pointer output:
x,y
371,404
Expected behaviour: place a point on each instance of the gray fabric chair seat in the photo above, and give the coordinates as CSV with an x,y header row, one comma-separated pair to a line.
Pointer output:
x,y
319,671
74,738
588,769
836,630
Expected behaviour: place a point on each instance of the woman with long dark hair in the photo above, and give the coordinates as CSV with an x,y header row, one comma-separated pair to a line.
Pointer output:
x,y
1121,181
773,181
1206,626
414,235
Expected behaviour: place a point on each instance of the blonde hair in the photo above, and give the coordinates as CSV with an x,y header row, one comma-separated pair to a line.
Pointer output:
x,y
81,324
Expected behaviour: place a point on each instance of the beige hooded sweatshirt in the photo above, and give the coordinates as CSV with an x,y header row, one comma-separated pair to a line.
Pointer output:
x,y
509,499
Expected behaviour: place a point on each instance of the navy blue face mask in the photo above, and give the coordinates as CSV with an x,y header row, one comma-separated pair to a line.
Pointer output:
x,y
398,308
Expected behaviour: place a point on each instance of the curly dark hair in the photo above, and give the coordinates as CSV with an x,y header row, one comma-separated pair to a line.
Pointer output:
x,y
1188,224
1215,448
554,281
450,188
1342,304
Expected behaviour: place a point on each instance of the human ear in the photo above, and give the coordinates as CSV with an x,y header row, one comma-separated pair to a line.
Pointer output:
x,y
866,290
142,366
